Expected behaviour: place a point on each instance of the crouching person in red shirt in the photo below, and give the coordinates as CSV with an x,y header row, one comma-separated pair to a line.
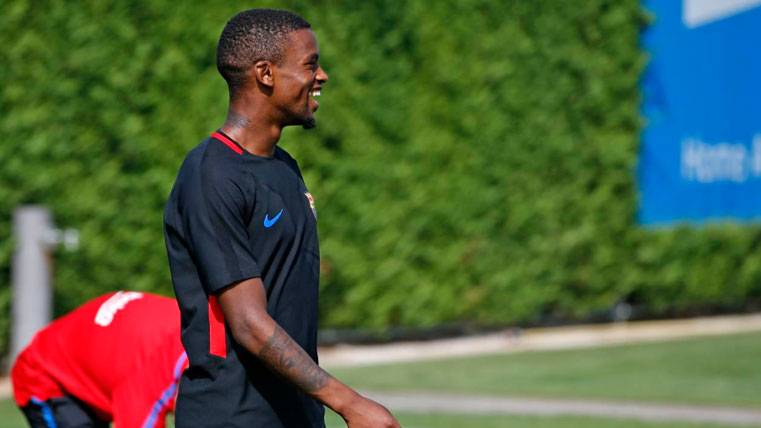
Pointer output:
x,y
116,358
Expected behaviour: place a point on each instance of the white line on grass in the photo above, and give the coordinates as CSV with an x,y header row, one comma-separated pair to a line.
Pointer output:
x,y
426,402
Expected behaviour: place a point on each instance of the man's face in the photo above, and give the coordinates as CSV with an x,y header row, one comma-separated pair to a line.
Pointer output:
x,y
299,79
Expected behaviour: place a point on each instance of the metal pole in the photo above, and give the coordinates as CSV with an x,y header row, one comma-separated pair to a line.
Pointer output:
x,y
31,275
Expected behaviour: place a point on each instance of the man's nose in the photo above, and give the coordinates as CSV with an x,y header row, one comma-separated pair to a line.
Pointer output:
x,y
322,76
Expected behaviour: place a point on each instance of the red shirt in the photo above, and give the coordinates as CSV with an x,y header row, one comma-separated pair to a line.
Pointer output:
x,y
119,353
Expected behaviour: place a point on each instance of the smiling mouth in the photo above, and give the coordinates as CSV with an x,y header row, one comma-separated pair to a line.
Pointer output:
x,y
313,94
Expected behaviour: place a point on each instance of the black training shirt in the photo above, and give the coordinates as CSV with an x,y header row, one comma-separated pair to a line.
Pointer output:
x,y
233,216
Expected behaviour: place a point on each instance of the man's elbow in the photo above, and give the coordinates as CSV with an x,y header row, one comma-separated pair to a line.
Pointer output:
x,y
252,329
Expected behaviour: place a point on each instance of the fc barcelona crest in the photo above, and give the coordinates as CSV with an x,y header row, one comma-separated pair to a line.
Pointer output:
x,y
310,198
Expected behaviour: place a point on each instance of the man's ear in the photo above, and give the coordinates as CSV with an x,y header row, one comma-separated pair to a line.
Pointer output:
x,y
262,70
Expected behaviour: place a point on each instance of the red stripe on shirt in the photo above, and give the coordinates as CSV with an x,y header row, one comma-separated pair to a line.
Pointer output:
x,y
217,341
228,142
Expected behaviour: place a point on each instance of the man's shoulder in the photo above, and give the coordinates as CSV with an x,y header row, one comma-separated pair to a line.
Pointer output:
x,y
283,155
210,158
286,157
208,151
211,172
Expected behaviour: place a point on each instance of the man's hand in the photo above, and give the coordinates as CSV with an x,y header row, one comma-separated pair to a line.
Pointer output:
x,y
365,413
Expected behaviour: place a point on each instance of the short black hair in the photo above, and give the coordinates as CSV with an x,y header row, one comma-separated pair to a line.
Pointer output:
x,y
250,36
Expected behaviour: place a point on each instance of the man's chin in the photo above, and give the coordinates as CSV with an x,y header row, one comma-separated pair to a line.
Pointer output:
x,y
309,123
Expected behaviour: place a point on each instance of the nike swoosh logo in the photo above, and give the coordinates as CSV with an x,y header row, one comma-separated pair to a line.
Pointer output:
x,y
269,222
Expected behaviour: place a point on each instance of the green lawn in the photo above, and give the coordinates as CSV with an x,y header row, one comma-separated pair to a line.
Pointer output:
x,y
10,415
461,421
11,418
718,370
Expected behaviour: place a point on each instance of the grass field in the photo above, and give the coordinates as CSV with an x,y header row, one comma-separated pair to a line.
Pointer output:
x,y
10,417
719,370
460,421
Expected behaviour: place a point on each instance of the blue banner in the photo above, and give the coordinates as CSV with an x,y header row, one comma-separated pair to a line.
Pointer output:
x,y
700,155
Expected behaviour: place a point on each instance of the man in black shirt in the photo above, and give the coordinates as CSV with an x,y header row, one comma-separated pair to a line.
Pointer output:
x,y
241,237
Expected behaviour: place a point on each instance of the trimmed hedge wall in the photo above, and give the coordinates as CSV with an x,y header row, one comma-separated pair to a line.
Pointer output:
x,y
474,160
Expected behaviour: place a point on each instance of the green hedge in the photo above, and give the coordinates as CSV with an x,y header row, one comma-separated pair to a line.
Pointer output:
x,y
474,160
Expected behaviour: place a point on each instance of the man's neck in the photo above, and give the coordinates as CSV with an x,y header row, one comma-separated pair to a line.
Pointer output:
x,y
250,127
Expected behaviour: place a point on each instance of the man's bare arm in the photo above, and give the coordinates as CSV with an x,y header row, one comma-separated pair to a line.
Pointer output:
x,y
286,357
244,306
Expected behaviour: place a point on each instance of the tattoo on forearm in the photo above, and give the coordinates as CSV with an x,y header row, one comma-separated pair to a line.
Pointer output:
x,y
287,358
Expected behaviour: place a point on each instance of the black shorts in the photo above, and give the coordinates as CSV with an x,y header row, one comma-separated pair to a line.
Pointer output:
x,y
64,412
